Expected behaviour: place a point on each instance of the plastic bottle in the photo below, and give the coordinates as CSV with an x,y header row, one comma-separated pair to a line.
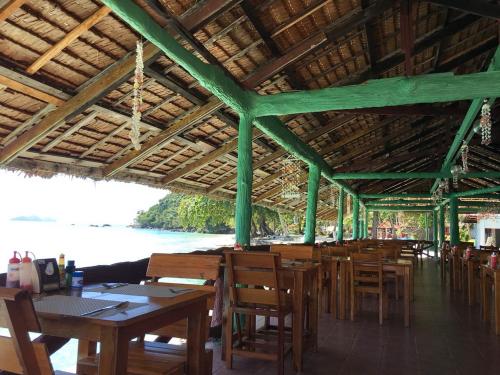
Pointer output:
x,y
14,271
26,273
70,268
493,260
60,265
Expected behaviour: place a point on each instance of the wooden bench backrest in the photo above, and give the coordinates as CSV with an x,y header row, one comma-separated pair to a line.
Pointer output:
x,y
294,252
184,266
248,272
17,353
340,251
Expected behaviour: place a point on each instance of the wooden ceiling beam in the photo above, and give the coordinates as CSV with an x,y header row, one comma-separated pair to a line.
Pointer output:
x,y
340,28
23,89
407,34
68,39
115,73
158,141
9,8
205,11
480,7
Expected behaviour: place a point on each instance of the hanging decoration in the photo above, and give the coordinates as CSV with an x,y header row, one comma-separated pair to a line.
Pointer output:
x,y
446,185
348,203
455,172
464,151
135,132
334,196
485,123
290,178
435,198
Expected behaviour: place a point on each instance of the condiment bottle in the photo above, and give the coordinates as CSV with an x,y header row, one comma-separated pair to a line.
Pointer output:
x,y
493,260
60,265
14,271
70,268
26,273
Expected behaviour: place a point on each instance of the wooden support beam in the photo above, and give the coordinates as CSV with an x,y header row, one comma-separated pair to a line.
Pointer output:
x,y
115,73
411,110
409,175
23,89
482,8
28,124
340,28
407,34
68,39
157,142
74,128
430,88
9,8
205,11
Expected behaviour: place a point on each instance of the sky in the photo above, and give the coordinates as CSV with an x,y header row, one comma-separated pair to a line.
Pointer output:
x,y
74,200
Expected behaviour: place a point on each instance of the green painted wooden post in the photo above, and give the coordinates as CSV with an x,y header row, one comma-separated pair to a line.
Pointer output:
x,y
435,231
244,182
426,227
454,232
312,204
355,217
340,216
442,224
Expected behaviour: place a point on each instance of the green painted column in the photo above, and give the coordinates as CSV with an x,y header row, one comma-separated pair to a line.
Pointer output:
x,y
355,217
312,204
243,217
340,216
435,231
454,233
426,227
441,226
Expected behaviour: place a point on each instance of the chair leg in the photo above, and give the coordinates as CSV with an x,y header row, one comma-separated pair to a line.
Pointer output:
x,y
397,288
229,340
381,308
353,302
281,344
386,306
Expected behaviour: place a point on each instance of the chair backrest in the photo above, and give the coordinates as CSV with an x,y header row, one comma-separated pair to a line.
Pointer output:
x,y
184,266
294,252
17,353
248,273
339,251
366,268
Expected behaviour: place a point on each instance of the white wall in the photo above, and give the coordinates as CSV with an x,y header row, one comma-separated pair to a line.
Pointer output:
x,y
480,237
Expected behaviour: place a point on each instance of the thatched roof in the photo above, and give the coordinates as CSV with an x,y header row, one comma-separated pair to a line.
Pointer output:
x,y
270,46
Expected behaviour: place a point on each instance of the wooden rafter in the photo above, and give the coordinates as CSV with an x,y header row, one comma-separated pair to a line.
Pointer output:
x,y
407,34
480,7
27,90
9,8
206,11
159,140
68,39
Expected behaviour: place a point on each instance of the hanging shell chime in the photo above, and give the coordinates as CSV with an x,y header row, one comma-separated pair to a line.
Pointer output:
x,y
290,179
333,196
485,123
135,131
455,172
464,151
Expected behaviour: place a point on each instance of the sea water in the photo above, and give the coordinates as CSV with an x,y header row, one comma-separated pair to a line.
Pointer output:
x,y
92,245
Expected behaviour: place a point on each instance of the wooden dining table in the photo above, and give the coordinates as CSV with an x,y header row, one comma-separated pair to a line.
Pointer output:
x,y
338,266
490,277
115,329
301,278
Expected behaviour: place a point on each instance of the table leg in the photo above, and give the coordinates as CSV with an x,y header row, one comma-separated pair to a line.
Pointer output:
x,y
470,282
298,320
319,281
343,290
333,287
484,295
314,312
496,296
407,296
225,298
196,331
113,356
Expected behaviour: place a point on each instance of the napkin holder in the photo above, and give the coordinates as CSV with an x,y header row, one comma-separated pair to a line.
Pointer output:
x,y
45,275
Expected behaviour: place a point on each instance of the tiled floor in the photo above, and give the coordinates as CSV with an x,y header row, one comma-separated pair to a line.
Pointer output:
x,y
446,337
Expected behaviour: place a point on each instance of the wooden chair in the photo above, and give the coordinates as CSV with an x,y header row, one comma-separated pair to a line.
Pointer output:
x,y
182,266
255,290
366,276
18,354
295,252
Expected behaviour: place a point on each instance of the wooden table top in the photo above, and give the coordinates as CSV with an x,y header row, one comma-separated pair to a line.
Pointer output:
x,y
149,306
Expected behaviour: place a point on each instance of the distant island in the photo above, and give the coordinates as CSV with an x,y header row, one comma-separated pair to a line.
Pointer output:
x,y
33,218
